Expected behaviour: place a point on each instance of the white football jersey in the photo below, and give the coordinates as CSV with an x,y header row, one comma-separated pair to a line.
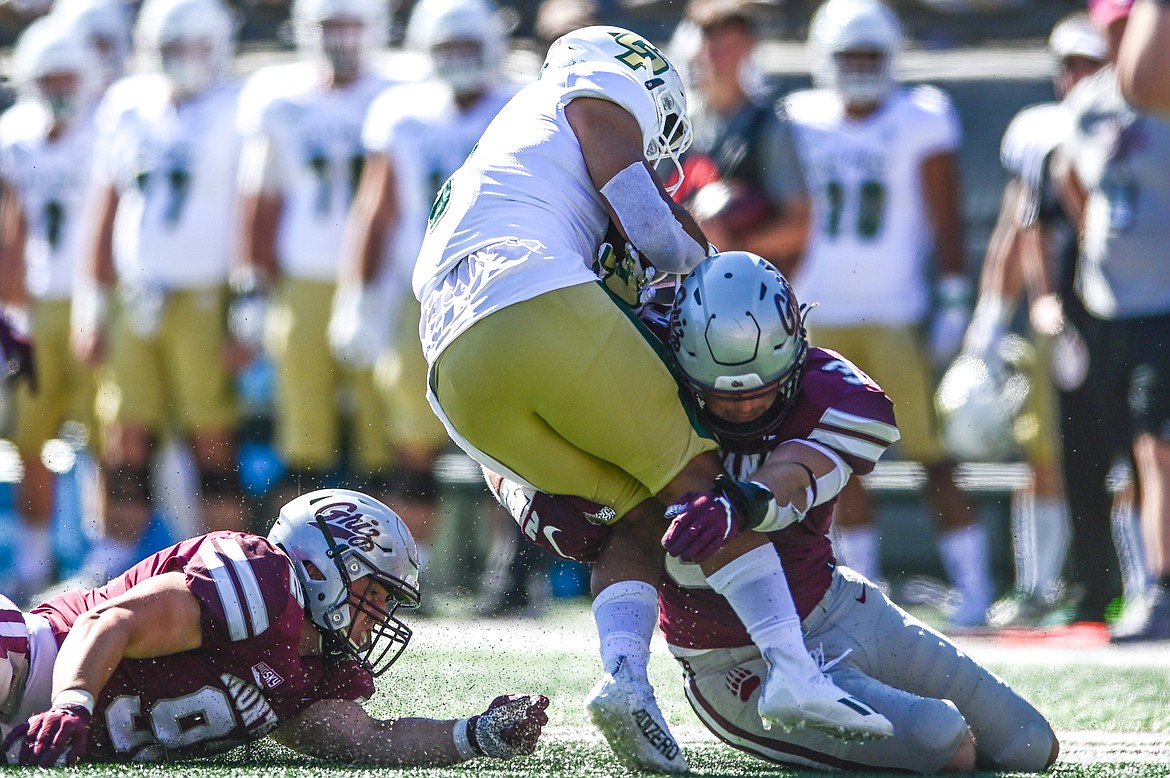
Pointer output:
x,y
315,134
1033,134
871,236
425,135
525,188
174,168
51,179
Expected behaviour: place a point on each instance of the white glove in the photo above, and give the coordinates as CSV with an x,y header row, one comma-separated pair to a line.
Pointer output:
x,y
90,309
988,325
358,330
246,314
950,320
511,726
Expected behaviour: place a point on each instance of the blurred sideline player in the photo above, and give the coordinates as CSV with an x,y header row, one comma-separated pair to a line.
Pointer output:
x,y
415,136
741,148
818,419
165,216
882,172
302,160
1116,186
229,637
46,153
513,318
106,23
1023,236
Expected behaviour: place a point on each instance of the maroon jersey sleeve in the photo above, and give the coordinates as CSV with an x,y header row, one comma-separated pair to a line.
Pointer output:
x,y
244,585
842,408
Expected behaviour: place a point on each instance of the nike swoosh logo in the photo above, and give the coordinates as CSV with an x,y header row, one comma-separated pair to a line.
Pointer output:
x,y
549,532
860,599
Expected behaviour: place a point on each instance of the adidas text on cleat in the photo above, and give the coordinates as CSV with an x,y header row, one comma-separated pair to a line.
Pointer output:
x,y
625,711
791,701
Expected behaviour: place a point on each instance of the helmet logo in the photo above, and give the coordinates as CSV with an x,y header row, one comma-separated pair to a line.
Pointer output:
x,y
350,525
638,52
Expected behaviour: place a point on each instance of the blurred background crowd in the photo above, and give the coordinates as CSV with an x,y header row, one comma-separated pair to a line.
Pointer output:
x,y
209,221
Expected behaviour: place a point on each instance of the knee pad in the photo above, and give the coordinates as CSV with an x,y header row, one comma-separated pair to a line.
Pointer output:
x,y
129,483
221,485
937,727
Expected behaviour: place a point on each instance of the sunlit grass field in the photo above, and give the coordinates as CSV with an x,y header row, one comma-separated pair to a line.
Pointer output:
x,y
1111,707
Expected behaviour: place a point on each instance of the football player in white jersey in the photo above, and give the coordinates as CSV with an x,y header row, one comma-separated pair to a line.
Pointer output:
x,y
1022,244
880,160
302,161
514,319
164,199
107,25
45,153
415,137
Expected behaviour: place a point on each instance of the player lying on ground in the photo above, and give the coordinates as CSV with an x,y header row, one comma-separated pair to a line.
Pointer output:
x,y
800,420
227,637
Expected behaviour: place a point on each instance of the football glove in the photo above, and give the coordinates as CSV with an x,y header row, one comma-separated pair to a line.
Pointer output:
x,y
358,330
59,736
704,522
626,275
247,310
950,320
17,352
511,726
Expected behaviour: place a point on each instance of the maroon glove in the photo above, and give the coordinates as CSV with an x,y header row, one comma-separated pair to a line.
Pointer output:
x,y
59,736
509,727
17,353
703,522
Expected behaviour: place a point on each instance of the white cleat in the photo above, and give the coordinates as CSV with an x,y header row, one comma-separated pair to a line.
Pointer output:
x,y
793,699
625,711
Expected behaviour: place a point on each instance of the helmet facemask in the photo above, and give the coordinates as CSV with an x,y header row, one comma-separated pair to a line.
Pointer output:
x,y
189,64
863,76
462,65
62,94
674,134
343,46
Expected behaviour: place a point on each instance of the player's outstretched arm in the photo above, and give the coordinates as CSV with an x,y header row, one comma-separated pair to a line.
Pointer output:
x,y
341,730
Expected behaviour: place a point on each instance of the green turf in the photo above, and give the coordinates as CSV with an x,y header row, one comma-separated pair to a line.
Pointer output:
x,y
455,682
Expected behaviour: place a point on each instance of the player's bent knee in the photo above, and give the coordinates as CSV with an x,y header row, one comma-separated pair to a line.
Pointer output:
x,y
937,727
1032,747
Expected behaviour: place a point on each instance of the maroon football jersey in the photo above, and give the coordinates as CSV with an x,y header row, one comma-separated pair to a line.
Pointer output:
x,y
838,407
246,678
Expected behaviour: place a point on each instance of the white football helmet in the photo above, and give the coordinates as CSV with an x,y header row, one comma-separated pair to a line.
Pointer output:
x,y
337,538
737,332
649,67
843,26
107,24
345,50
190,41
437,26
979,402
51,47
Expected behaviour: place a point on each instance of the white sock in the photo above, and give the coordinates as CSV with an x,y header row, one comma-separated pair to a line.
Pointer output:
x,y
755,586
964,554
1052,539
34,562
626,613
1024,544
858,548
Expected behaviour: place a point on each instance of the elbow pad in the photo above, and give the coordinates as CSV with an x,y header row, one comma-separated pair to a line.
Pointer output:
x,y
649,222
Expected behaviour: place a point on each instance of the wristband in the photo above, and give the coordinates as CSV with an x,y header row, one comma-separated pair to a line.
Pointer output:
x,y
462,740
75,697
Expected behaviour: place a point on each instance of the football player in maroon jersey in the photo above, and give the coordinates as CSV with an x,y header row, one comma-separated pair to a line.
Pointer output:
x,y
800,421
228,637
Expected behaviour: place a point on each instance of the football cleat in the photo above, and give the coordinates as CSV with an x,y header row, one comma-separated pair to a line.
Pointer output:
x,y
624,709
793,699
